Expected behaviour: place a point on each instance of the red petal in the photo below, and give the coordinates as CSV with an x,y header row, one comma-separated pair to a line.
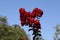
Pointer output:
x,y
22,19
33,14
22,11
23,23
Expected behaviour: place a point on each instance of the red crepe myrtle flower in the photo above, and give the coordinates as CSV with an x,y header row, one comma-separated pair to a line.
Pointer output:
x,y
36,21
27,23
22,11
22,19
27,15
31,20
38,15
37,24
35,10
23,23
33,15
40,12
28,18
22,16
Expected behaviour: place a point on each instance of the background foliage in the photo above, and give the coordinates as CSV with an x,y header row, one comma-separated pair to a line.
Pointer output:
x,y
8,32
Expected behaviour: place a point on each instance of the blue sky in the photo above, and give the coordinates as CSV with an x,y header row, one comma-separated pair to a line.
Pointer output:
x,y
50,18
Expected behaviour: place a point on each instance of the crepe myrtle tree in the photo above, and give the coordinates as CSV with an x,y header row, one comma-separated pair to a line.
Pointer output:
x,y
30,19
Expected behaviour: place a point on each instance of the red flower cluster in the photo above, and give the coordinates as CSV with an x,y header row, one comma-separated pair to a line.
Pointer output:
x,y
28,18
38,12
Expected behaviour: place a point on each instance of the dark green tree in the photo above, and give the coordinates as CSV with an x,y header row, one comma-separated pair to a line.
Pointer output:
x,y
8,32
